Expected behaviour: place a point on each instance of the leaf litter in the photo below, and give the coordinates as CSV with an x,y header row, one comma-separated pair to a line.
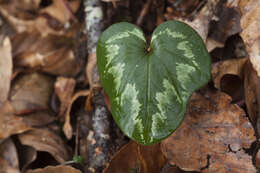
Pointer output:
x,y
39,62
212,136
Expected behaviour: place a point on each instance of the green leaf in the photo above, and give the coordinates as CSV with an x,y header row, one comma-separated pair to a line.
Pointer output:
x,y
149,91
78,159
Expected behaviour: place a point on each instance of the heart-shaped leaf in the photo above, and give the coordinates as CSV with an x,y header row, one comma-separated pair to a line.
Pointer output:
x,y
149,90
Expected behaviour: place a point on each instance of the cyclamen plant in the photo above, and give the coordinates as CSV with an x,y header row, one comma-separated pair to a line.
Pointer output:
x,y
149,87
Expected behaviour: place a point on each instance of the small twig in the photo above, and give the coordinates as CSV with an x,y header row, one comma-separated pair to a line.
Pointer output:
x,y
114,3
77,138
143,12
72,16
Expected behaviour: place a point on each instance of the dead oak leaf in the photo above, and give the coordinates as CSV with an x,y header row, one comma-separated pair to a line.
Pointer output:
x,y
212,130
67,128
62,10
10,124
252,95
6,167
257,159
233,162
202,20
64,88
250,23
135,157
8,152
55,169
6,65
232,66
31,92
47,141
52,54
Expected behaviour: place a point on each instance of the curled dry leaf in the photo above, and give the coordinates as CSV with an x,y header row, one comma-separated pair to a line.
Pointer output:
x,y
228,77
173,169
62,10
31,92
39,119
67,129
227,24
64,88
234,162
232,66
9,123
27,155
20,14
52,54
91,71
49,20
8,155
134,157
55,169
6,167
250,23
257,159
48,141
6,66
202,19
252,95
212,136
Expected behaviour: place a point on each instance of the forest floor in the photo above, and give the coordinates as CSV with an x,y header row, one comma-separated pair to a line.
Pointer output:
x,y
55,116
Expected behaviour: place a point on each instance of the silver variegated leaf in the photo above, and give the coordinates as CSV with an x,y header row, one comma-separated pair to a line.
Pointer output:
x,y
149,90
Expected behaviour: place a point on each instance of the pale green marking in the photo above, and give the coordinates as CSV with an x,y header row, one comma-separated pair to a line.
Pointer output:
x,y
117,72
138,34
183,76
130,120
156,130
164,100
135,32
184,45
167,31
112,52
118,36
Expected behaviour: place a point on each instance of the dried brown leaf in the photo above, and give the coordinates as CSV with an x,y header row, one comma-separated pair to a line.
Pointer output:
x,y
226,25
250,23
252,94
257,159
52,54
39,119
48,141
55,169
232,66
9,123
28,154
173,169
6,167
64,88
214,132
6,66
67,129
202,19
62,10
8,152
234,162
25,16
31,92
19,14
135,157
91,71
